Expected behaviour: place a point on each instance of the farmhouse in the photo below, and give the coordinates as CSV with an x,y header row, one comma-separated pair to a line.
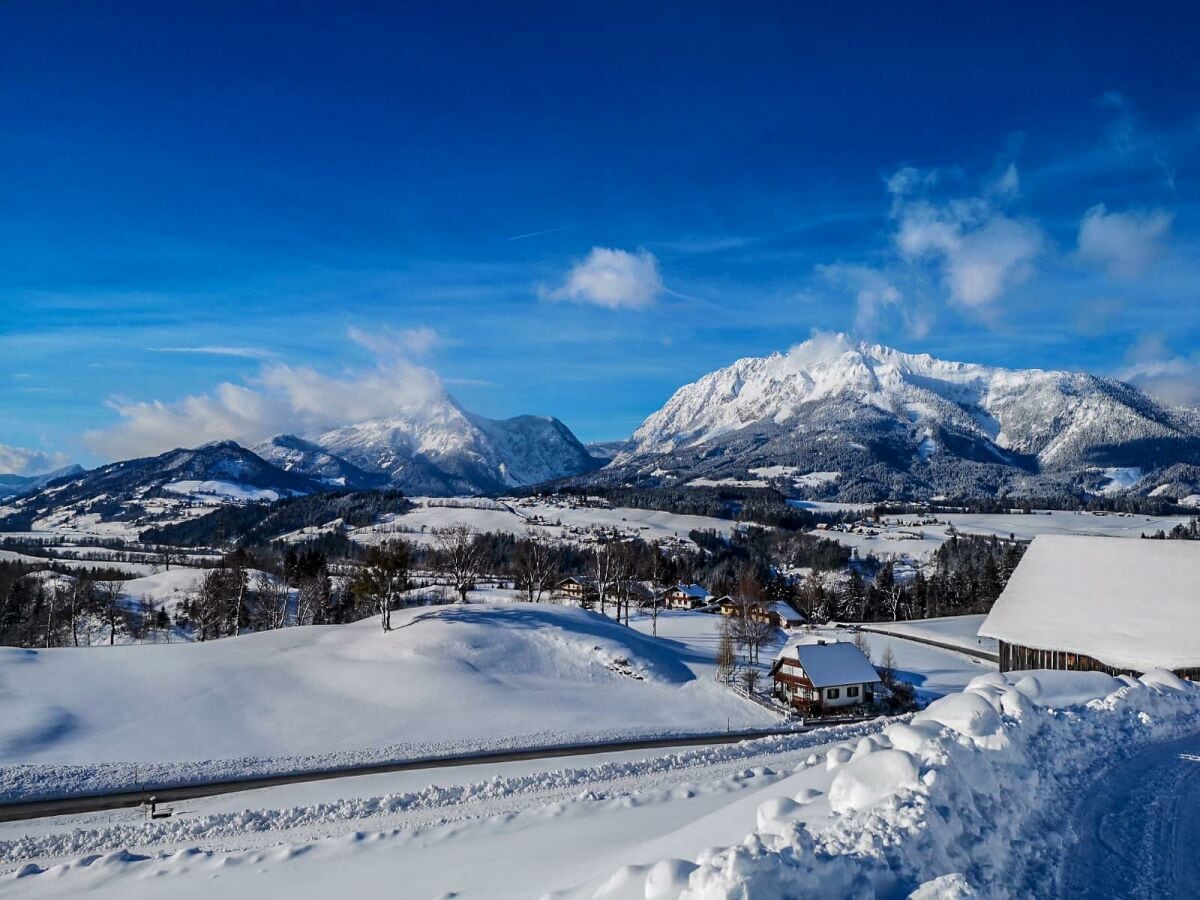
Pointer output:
x,y
1115,605
686,596
816,676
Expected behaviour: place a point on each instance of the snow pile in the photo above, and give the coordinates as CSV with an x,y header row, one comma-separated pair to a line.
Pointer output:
x,y
966,799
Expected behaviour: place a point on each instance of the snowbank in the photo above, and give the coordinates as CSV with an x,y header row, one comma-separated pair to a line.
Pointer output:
x,y
966,799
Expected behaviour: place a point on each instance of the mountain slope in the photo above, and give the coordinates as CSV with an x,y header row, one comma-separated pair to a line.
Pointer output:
x,y
441,449
294,454
19,485
158,488
873,422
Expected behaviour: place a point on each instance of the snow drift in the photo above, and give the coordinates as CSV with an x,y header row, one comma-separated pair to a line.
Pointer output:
x,y
968,798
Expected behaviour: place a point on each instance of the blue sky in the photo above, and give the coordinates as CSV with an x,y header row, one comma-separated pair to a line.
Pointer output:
x,y
570,209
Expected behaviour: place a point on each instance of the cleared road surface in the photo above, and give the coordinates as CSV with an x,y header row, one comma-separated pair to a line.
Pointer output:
x,y
1139,829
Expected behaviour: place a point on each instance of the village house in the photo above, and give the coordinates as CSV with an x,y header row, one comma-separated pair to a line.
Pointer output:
x,y
579,589
686,596
816,677
726,606
1104,604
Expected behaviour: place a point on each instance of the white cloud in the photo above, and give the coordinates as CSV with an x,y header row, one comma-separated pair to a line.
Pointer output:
x,y
1123,243
23,461
980,251
391,342
873,292
282,399
613,279
1175,380
208,350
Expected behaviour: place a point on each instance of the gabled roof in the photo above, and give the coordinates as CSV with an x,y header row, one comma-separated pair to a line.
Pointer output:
x,y
829,663
692,590
1129,603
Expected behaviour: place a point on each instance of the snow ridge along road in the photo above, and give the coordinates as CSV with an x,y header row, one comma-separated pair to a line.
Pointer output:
x,y
71,805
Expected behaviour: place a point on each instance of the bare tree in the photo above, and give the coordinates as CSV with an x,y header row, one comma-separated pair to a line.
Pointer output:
x,y
273,595
750,679
110,606
537,564
725,660
602,567
312,598
383,578
460,556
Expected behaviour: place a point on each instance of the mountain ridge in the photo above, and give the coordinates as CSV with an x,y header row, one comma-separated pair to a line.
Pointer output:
x,y
894,424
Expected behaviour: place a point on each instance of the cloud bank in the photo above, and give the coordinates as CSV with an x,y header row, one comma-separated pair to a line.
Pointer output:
x,y
280,399
23,461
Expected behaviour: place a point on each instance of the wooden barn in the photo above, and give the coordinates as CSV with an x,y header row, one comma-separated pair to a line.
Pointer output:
x,y
816,677
1101,604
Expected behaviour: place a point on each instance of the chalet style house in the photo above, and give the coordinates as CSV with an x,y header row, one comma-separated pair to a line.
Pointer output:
x,y
816,677
1103,604
686,596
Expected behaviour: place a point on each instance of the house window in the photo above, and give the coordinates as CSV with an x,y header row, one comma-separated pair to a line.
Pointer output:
x,y
852,691
832,694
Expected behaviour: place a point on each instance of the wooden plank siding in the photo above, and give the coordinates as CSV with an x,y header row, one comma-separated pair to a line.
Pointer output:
x,y
1015,658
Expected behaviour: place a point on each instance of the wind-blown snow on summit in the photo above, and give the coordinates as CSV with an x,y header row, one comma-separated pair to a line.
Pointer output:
x,y
876,422
440,448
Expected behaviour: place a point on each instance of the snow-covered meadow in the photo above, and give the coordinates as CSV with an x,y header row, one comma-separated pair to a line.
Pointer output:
x,y
445,679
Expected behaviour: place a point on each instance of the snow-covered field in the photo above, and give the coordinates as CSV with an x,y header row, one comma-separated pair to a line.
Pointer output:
x,y
559,521
446,679
972,797
901,536
957,631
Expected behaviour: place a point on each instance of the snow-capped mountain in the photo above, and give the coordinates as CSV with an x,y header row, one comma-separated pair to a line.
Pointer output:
x,y
440,448
295,454
874,422
139,492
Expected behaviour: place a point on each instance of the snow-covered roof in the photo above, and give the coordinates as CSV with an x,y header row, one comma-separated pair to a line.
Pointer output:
x,y
692,590
1131,604
785,611
829,663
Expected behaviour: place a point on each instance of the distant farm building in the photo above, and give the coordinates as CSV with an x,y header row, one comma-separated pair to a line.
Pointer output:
x,y
778,613
816,677
1116,605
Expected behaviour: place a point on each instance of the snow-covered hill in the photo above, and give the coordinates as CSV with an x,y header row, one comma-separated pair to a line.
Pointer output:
x,y
136,493
440,449
446,678
876,422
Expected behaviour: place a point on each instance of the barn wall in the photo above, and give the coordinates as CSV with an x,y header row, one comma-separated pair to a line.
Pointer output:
x,y
1015,658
